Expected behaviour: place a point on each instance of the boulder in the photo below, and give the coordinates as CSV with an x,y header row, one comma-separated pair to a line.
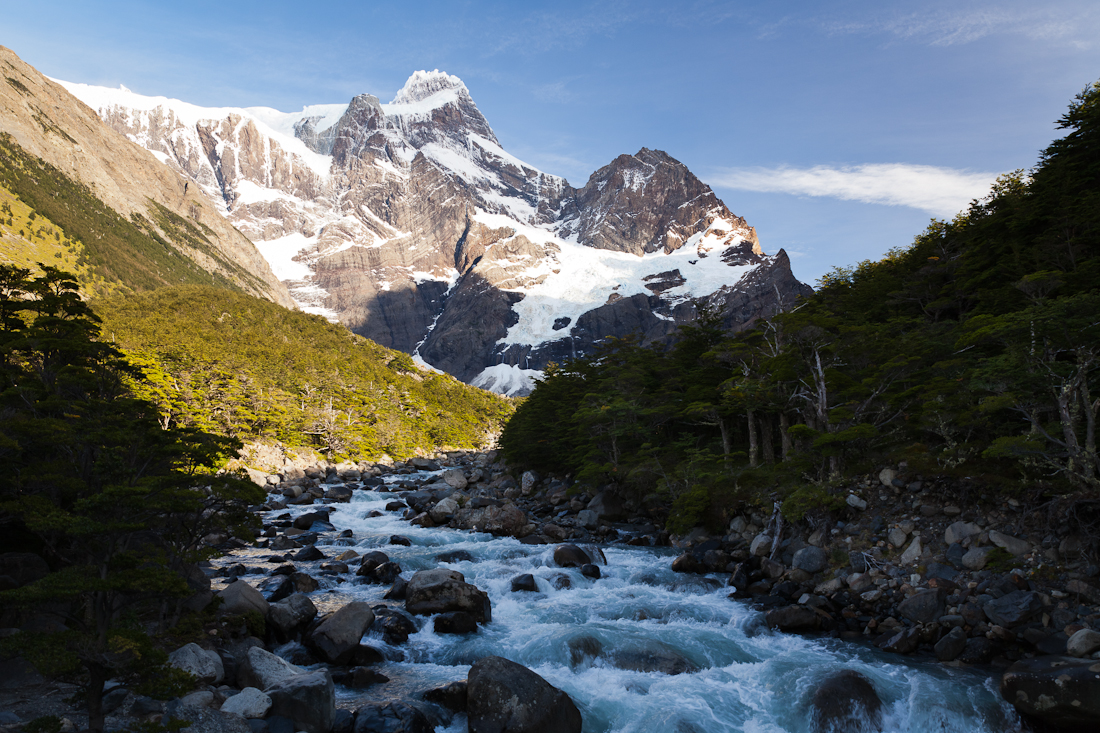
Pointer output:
x,y
588,519
525,582
506,519
203,663
205,720
239,597
443,510
886,476
337,636
811,559
761,545
455,478
370,561
262,669
308,554
527,482
339,494
591,571
359,678
1013,608
455,622
1059,691
685,563
396,625
248,703
451,696
845,702
897,536
441,590
1083,643
570,556
1008,542
385,574
904,641
912,553
505,697
653,658
393,717
289,616
607,506
959,531
976,558
793,618
856,502
923,607
951,645
309,700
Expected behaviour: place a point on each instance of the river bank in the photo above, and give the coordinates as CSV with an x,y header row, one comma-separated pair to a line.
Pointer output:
x,y
635,641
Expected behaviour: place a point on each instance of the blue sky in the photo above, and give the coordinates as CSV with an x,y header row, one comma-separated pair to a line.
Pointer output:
x,y
837,129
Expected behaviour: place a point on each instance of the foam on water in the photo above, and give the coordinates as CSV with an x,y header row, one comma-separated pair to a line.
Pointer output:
x,y
749,678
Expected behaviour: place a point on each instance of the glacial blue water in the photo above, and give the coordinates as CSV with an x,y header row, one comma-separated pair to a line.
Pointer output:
x,y
749,678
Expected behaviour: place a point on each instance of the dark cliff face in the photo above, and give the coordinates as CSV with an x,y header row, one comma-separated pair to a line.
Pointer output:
x,y
426,236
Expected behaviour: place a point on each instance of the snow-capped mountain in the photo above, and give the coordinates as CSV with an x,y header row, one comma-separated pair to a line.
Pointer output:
x,y
411,224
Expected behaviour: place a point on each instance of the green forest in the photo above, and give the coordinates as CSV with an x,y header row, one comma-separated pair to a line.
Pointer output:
x,y
974,352
239,366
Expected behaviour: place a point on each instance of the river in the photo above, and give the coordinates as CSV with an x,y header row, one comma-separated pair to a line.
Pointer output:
x,y
747,677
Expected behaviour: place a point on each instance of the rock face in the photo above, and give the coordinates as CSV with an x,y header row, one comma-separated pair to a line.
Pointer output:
x,y
1061,691
126,177
410,224
505,697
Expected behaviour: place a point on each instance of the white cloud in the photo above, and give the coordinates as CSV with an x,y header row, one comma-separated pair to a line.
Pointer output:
x,y
1070,24
942,192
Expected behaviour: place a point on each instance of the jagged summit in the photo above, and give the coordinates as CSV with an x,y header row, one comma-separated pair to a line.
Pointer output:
x,y
424,84
410,223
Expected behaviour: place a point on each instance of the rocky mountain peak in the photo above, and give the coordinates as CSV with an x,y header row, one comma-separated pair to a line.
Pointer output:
x,y
424,84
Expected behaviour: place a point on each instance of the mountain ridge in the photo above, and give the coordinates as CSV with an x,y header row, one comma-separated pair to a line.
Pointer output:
x,y
425,235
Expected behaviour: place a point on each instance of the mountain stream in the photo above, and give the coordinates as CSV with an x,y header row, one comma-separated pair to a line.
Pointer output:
x,y
590,638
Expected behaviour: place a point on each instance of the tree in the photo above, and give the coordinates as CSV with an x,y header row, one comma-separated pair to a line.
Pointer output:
x,y
118,504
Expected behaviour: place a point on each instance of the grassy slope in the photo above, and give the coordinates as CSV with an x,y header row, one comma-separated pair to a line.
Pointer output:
x,y
242,366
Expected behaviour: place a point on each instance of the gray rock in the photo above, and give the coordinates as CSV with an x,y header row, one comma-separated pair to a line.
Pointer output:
x,y
337,636
1060,691
289,615
793,618
904,641
525,582
959,531
451,696
262,669
198,699
527,482
455,622
443,510
897,537
924,606
845,702
392,717
440,591
856,503
976,558
248,703
886,476
951,645
240,597
204,719
1013,608
761,545
588,519
912,552
1008,542
455,478
811,559
203,663
505,697
307,699
859,582
1083,643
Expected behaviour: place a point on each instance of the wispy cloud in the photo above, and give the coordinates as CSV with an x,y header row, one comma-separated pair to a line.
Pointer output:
x,y
1077,25
940,191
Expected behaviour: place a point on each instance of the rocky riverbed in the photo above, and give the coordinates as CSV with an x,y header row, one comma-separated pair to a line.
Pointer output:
x,y
448,594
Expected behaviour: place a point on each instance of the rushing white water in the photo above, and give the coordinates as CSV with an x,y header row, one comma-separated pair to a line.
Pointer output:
x,y
749,678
